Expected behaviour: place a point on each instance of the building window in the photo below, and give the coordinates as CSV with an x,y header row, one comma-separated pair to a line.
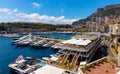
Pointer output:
x,y
110,29
116,30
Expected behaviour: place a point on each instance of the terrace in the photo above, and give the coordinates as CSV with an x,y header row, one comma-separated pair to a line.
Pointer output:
x,y
81,43
106,65
74,44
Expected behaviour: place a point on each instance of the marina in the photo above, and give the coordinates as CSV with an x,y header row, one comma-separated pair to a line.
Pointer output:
x,y
10,52
70,54
60,37
35,41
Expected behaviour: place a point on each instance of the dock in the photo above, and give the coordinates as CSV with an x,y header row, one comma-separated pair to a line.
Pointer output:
x,y
10,35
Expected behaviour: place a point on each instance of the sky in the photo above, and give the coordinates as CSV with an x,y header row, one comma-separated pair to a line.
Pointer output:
x,y
49,11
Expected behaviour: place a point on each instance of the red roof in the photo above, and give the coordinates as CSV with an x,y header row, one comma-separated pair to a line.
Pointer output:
x,y
103,68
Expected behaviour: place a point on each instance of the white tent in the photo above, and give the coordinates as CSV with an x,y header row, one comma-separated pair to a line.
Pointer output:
x,y
77,42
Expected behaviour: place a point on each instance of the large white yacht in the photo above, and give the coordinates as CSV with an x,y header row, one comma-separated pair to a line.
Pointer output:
x,y
25,66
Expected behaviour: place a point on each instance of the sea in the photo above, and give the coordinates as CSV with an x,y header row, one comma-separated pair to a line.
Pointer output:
x,y
9,52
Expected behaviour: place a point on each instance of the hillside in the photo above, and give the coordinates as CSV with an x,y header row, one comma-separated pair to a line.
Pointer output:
x,y
19,27
107,11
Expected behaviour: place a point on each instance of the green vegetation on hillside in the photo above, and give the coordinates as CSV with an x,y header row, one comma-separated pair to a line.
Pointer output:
x,y
48,27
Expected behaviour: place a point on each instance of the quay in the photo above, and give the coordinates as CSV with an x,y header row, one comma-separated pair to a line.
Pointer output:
x,y
10,35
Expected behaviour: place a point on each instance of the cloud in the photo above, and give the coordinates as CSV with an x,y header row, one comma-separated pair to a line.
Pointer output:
x,y
4,10
35,17
16,16
36,4
8,11
15,10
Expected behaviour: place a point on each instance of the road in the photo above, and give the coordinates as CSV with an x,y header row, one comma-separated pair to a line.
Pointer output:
x,y
107,43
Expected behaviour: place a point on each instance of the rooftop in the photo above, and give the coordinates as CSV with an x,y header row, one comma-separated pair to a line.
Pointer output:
x,y
106,65
48,69
103,68
82,42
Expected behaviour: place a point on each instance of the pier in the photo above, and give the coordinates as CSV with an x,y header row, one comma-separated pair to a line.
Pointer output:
x,y
10,35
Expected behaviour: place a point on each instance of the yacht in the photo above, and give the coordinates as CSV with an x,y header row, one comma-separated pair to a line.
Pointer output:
x,y
39,43
49,44
25,66
29,36
24,43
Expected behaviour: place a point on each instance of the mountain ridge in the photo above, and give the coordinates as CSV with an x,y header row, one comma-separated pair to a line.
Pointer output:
x,y
107,11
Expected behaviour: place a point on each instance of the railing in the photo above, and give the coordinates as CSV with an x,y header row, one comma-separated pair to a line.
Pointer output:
x,y
91,51
90,45
93,44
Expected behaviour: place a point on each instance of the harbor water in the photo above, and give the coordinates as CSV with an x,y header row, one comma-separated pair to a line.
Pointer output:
x,y
9,52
